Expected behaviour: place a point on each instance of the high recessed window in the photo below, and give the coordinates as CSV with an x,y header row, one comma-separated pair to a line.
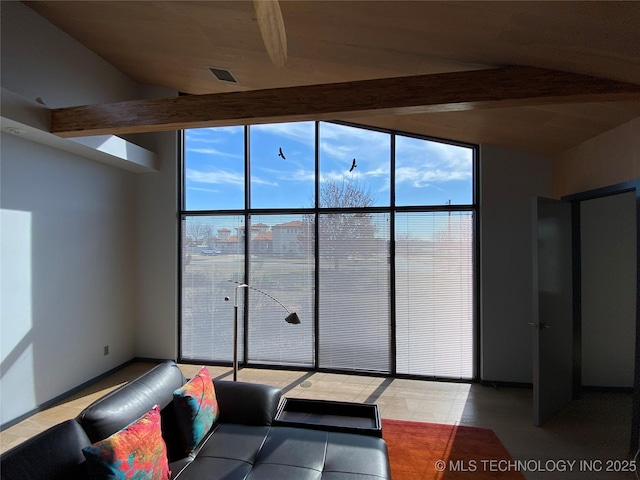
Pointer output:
x,y
367,234
282,162
357,157
432,173
213,175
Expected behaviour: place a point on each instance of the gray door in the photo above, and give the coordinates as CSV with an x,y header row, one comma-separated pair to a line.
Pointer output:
x,y
552,320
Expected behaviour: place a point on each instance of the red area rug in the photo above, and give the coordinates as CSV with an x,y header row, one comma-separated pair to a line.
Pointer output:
x,y
433,451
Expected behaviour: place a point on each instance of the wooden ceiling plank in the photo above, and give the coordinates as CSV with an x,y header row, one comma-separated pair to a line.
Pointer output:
x,y
457,91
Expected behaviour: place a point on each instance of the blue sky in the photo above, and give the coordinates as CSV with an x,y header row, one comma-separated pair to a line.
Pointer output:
x,y
427,172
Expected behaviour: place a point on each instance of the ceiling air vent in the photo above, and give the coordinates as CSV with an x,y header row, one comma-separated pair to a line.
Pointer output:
x,y
223,74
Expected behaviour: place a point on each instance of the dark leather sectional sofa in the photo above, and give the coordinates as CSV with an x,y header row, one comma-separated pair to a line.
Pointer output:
x,y
242,444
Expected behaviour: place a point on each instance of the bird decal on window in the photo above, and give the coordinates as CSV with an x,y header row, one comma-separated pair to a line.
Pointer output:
x,y
280,154
353,165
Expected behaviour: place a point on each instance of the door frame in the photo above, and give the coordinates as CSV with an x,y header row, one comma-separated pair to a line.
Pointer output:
x,y
575,199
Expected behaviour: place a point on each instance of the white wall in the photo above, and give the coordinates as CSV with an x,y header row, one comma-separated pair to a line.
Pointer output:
x,y
39,60
69,229
157,244
508,182
67,235
608,241
610,158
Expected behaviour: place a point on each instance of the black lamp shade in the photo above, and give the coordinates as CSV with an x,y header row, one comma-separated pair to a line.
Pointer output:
x,y
292,318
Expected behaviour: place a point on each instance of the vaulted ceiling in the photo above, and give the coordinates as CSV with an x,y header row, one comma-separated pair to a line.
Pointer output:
x,y
172,44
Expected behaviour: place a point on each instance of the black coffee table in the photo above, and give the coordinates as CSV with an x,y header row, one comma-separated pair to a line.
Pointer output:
x,y
348,417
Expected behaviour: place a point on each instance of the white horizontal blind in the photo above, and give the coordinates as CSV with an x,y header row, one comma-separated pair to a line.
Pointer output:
x,y
282,265
212,254
354,306
434,294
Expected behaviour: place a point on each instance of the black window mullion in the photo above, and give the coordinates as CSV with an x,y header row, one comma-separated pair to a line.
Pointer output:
x,y
392,257
247,226
316,305
476,261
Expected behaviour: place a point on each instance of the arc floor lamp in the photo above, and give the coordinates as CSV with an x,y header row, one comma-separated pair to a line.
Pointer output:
x,y
292,318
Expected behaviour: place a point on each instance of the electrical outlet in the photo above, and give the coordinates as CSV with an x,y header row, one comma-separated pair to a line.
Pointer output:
x,y
106,349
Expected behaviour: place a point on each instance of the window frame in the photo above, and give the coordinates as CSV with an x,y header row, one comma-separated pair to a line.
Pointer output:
x,y
392,209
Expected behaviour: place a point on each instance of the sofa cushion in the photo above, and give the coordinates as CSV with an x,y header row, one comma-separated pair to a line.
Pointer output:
x,y
196,409
137,451
215,469
295,447
246,403
236,442
243,452
55,454
126,404
359,456
228,454
291,453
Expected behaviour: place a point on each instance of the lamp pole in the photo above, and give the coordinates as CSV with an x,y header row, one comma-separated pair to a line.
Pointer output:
x,y
235,333
291,318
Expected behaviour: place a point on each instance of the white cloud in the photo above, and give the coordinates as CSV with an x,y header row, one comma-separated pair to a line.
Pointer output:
x,y
215,136
302,175
299,131
208,140
380,176
335,176
223,177
261,181
212,132
343,152
220,177
420,177
422,163
213,151
342,143
200,189
332,131
378,172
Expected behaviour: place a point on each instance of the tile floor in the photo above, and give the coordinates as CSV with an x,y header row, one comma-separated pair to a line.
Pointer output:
x,y
594,429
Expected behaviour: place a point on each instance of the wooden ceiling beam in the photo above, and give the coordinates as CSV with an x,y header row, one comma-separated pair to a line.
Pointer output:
x,y
457,91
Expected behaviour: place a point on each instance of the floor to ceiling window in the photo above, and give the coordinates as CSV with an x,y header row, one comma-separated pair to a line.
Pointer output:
x,y
369,235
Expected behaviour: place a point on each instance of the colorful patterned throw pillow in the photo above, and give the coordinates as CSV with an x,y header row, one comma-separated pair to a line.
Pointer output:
x,y
196,409
136,452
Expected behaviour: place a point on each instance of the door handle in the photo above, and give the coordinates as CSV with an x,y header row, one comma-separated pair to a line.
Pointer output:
x,y
540,325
